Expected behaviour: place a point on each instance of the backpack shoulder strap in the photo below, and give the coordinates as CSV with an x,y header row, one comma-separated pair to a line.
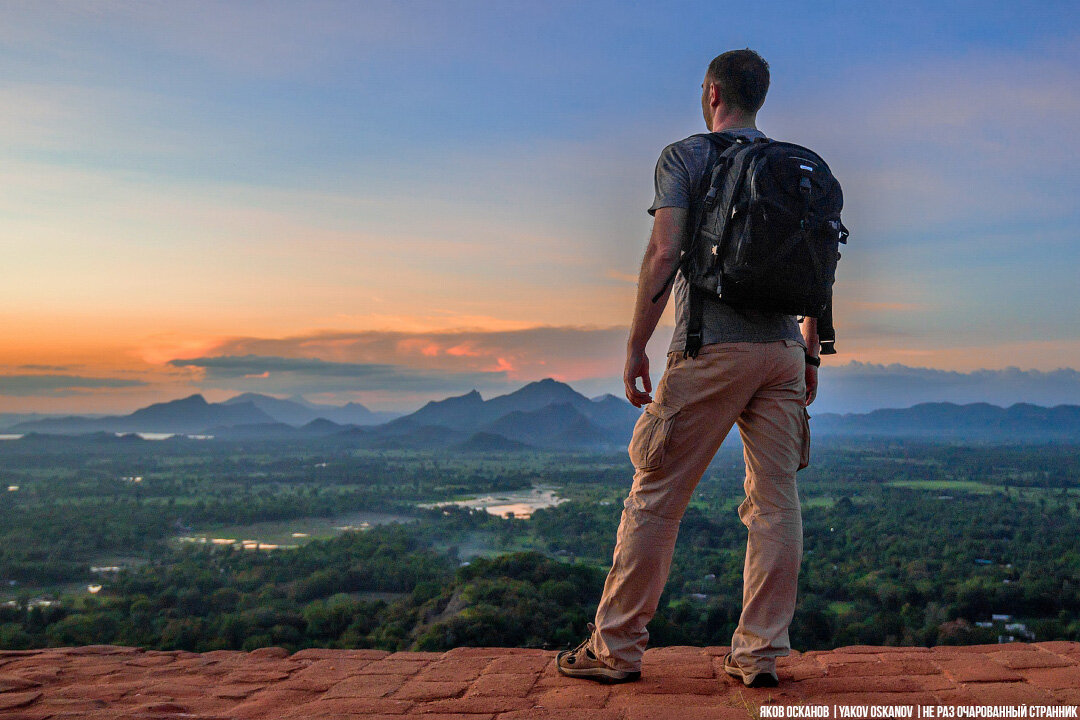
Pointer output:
x,y
708,187
695,319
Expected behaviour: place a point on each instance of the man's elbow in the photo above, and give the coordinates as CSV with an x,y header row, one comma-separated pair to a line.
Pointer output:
x,y
665,244
662,254
659,262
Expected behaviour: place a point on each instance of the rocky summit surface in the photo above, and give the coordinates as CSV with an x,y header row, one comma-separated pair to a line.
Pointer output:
x,y
683,683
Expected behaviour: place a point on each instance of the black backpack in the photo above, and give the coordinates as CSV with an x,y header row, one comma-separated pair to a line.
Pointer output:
x,y
766,235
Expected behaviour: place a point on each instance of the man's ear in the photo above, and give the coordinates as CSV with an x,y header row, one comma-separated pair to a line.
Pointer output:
x,y
714,94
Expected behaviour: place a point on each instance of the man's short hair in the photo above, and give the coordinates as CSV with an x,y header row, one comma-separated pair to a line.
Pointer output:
x,y
743,77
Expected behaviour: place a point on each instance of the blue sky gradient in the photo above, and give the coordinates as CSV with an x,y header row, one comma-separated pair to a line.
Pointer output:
x,y
184,181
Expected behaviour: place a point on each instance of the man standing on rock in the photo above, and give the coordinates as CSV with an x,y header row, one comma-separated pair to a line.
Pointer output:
x,y
754,368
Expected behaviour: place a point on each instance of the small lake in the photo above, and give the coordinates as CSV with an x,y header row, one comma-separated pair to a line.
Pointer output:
x,y
165,436
284,534
519,504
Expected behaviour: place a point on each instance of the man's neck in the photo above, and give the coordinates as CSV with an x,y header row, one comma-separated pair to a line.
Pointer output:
x,y
733,122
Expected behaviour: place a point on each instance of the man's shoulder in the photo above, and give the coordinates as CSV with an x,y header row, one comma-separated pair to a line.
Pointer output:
x,y
700,145
696,144
689,156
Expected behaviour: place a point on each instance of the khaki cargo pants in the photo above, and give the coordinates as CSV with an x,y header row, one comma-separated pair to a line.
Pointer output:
x,y
760,386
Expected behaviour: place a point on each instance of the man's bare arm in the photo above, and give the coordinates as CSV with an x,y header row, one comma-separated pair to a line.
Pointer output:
x,y
661,257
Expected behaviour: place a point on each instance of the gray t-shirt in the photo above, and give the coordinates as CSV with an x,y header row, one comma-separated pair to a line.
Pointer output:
x,y
680,170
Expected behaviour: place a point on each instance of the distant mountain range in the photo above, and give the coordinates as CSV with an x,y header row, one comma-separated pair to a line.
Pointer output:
x,y
946,421
298,411
194,415
541,415
544,414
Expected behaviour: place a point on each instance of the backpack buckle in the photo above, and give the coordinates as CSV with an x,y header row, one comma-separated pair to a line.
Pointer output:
x,y
693,344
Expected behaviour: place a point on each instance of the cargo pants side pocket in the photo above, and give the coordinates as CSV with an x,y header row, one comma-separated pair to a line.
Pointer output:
x,y
650,437
804,452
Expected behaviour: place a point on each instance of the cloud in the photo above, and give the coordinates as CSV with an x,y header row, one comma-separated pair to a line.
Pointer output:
x,y
400,370
59,385
566,353
274,374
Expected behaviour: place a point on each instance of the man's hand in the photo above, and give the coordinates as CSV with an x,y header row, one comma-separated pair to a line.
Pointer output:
x,y
811,384
637,366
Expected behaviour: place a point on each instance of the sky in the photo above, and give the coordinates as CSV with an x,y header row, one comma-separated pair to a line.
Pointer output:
x,y
390,202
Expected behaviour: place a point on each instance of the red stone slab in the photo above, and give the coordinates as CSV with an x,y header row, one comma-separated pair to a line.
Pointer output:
x,y
1025,660
236,691
8,683
422,691
271,703
580,695
854,683
502,685
1013,693
1059,646
424,656
323,653
269,652
520,664
968,649
976,668
475,704
624,700
457,669
99,650
1069,696
12,700
1059,678
347,708
388,666
692,713
654,684
366,686
262,677
559,714
682,683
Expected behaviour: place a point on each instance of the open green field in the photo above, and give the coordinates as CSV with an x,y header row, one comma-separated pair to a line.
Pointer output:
x,y
957,485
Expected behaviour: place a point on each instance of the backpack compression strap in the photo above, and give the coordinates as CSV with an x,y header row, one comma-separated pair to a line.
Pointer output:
x,y
826,331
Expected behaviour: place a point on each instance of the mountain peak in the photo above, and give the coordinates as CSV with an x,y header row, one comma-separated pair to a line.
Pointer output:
x,y
196,399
